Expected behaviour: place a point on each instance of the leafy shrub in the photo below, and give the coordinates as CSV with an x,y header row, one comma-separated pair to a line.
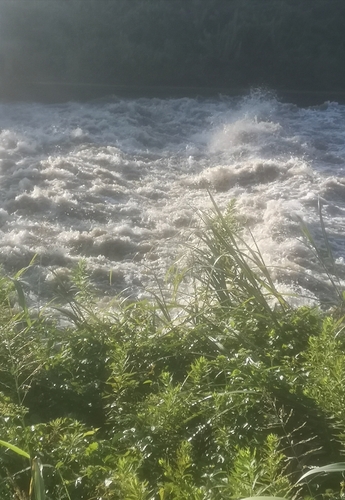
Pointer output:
x,y
230,399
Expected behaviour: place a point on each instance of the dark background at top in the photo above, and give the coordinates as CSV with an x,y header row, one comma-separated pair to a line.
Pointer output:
x,y
62,49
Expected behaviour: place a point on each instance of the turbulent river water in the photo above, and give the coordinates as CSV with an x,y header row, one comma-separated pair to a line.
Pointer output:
x,y
120,182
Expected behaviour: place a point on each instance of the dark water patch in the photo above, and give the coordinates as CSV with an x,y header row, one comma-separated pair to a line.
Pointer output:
x,y
334,189
108,279
27,205
223,179
331,159
54,258
115,249
131,172
14,258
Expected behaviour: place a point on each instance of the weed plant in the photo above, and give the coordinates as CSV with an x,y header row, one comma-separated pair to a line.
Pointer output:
x,y
237,395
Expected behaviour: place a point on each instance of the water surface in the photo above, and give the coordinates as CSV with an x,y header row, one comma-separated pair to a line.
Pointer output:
x,y
119,182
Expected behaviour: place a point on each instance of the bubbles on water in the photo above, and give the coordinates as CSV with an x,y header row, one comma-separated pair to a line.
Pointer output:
x,y
120,182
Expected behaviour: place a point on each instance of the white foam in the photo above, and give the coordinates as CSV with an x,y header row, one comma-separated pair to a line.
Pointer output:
x,y
120,183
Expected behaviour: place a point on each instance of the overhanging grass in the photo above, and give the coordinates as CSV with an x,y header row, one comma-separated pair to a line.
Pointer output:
x,y
236,397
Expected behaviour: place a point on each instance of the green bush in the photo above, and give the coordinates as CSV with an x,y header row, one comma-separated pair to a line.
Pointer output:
x,y
237,395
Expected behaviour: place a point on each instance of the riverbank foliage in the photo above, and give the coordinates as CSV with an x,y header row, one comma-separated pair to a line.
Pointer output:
x,y
234,44
228,394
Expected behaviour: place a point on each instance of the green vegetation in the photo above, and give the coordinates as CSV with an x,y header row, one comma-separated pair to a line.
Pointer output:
x,y
284,44
228,394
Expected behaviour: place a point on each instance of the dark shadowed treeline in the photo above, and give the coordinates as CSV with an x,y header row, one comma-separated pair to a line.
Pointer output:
x,y
284,44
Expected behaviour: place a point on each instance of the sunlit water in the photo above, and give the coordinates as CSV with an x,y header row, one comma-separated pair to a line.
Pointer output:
x,y
120,182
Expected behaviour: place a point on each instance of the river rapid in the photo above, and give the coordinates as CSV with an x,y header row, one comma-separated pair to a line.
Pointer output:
x,y
121,182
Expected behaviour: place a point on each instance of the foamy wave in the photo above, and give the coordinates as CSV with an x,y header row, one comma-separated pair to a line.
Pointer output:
x,y
120,183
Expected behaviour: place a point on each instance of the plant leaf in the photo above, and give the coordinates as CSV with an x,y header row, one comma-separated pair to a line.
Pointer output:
x,y
37,483
264,498
337,467
21,295
14,448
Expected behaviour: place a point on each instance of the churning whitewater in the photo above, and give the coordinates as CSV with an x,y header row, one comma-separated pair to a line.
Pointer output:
x,y
120,183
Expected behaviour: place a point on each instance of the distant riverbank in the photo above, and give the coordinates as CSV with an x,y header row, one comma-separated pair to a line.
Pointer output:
x,y
169,45
57,92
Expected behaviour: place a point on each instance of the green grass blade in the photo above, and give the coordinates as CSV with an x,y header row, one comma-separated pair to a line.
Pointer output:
x,y
14,448
314,247
69,314
337,467
24,269
37,482
21,299
63,484
325,238
264,498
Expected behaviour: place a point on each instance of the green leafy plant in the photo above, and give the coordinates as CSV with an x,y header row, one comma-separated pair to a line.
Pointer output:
x,y
37,489
226,393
